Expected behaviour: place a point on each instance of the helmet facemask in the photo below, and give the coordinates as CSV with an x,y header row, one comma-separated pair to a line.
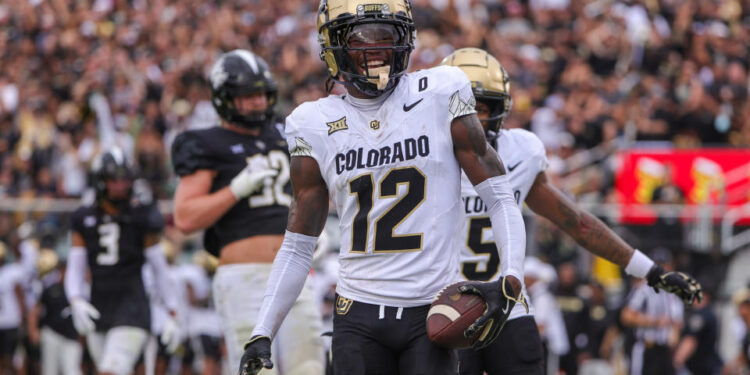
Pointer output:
x,y
253,119
113,178
369,50
239,73
499,108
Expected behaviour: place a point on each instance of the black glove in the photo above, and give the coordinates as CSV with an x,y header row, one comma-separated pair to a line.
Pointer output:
x,y
500,300
678,283
257,355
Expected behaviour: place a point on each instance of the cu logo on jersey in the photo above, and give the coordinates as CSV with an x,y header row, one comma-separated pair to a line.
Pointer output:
x,y
343,305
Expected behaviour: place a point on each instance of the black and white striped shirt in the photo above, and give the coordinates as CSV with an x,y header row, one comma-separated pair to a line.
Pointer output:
x,y
655,305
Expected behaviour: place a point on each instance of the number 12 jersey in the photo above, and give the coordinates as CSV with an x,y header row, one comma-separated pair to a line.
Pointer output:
x,y
395,182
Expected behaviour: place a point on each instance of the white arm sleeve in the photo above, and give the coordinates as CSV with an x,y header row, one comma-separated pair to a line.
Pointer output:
x,y
288,274
155,258
75,275
105,123
507,223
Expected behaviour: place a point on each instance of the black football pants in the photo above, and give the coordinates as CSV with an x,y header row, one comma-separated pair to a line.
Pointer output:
x,y
517,351
374,340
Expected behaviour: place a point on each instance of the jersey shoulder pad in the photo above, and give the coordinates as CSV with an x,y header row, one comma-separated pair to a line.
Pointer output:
x,y
449,85
304,127
308,114
190,153
443,79
78,217
527,140
532,146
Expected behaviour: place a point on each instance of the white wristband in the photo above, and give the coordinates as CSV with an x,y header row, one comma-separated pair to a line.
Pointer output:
x,y
639,264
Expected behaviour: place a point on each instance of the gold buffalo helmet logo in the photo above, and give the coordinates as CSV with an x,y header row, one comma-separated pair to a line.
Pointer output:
x,y
374,124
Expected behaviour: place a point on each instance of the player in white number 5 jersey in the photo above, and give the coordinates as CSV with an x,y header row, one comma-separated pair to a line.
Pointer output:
x,y
389,154
519,350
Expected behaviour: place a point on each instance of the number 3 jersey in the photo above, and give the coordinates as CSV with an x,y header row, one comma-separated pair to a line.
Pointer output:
x,y
227,153
115,251
524,158
391,172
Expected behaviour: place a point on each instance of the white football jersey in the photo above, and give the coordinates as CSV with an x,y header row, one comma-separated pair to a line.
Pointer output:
x,y
11,275
395,181
524,158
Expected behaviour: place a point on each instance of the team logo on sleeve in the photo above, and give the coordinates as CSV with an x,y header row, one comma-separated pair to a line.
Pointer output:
x,y
337,125
343,305
301,147
458,107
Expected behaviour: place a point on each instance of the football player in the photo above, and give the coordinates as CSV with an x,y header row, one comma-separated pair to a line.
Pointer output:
x,y
113,237
12,308
50,324
389,153
235,184
525,157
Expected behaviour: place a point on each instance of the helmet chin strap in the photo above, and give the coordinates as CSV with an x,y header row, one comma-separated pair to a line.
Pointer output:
x,y
382,72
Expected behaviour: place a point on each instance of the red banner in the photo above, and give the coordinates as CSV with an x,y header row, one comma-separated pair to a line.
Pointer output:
x,y
719,177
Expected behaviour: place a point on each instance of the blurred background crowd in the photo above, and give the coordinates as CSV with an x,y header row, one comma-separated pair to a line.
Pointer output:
x,y
585,74
588,77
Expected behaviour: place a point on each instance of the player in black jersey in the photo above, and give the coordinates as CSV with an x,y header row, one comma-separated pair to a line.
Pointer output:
x,y
235,185
114,236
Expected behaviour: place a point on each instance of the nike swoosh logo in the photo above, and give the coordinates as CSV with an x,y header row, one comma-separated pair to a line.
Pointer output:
x,y
512,167
507,306
408,108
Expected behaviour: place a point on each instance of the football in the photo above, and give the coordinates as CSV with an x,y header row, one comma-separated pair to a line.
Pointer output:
x,y
450,314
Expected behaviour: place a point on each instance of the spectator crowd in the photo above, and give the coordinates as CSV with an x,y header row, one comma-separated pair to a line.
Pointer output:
x,y
584,74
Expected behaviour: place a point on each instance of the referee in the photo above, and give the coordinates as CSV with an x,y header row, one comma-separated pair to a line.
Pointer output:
x,y
656,319
697,348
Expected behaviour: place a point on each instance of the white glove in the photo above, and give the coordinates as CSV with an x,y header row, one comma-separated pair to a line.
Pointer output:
x,y
251,178
170,335
83,316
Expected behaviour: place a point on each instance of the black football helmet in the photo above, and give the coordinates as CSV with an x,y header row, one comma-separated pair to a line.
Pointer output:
x,y
341,20
241,72
112,165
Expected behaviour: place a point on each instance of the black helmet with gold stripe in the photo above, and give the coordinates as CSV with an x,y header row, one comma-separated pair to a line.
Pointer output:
x,y
489,81
366,43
